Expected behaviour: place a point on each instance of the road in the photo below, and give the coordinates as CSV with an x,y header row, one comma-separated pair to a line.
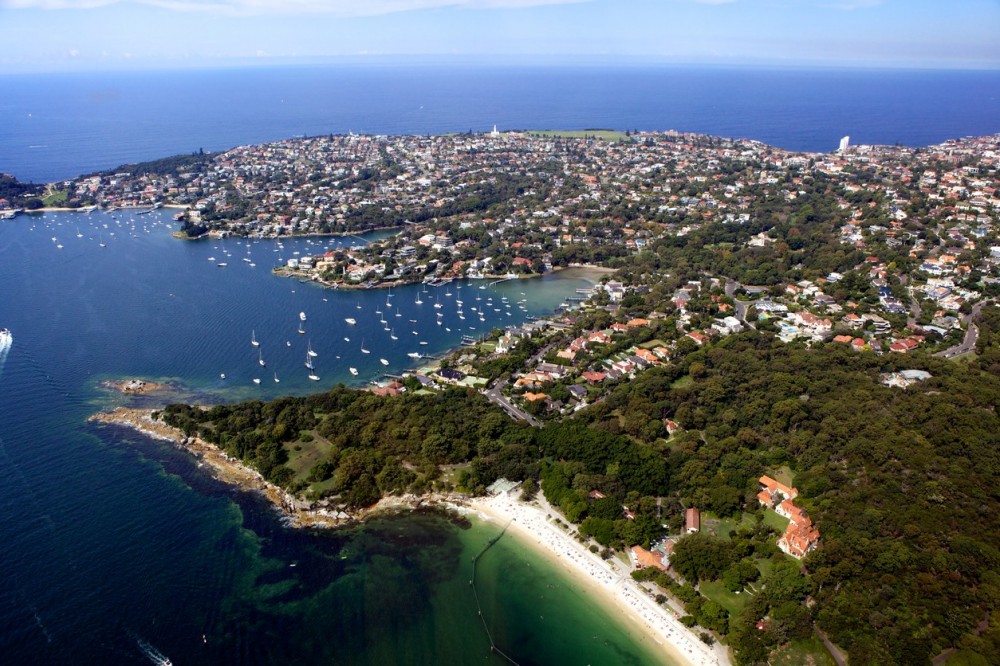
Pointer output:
x,y
838,655
494,394
739,307
968,343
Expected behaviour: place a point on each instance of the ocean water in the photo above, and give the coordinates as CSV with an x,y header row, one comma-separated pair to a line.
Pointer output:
x,y
57,126
117,548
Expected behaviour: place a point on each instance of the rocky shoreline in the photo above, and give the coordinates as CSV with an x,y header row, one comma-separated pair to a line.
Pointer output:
x,y
134,386
298,512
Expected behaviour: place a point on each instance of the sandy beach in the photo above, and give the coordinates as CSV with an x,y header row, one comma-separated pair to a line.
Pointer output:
x,y
614,588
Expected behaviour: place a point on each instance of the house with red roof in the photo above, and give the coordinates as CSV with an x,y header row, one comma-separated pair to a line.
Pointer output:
x,y
643,559
692,521
801,536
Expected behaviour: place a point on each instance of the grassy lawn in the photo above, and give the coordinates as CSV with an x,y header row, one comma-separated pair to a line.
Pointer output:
x,y
653,344
784,475
772,519
764,567
802,651
450,473
607,135
723,527
303,455
718,593
682,382
55,199
318,489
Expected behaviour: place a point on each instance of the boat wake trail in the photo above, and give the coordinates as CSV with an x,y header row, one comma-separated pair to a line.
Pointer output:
x,y
4,350
154,655
40,624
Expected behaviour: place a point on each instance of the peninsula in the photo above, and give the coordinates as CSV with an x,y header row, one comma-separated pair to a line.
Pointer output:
x,y
759,414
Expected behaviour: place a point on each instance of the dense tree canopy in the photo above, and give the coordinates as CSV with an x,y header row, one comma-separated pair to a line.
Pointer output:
x,y
901,483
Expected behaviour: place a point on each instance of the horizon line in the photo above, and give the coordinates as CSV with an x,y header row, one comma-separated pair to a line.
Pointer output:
x,y
569,61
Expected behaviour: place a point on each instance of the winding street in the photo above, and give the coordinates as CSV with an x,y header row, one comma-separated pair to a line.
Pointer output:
x,y
968,343
494,394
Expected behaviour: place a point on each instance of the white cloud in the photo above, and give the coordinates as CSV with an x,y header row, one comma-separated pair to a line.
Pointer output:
x,y
335,7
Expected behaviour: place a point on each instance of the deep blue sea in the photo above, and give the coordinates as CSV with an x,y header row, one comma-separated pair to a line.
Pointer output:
x,y
55,126
117,548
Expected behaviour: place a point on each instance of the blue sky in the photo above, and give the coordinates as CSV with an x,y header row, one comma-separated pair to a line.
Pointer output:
x,y
114,34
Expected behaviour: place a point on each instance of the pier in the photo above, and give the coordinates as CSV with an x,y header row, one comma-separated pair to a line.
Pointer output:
x,y
475,563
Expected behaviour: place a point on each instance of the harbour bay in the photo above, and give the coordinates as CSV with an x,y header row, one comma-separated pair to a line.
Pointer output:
x,y
146,547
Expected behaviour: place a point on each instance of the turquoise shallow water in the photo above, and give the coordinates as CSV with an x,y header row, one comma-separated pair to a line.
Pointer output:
x,y
116,547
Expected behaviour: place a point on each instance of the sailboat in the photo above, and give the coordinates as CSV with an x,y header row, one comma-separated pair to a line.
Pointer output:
x,y
354,371
253,338
417,300
383,361
363,350
302,316
256,380
260,357
309,363
302,331
311,352
393,335
276,380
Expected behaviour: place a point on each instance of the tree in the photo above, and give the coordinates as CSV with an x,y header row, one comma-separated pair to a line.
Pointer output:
x,y
699,556
738,575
